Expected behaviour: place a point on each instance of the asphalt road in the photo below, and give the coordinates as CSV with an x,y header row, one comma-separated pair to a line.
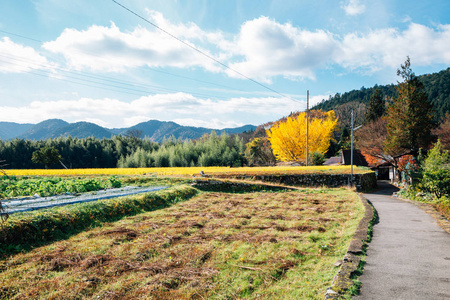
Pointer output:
x,y
409,256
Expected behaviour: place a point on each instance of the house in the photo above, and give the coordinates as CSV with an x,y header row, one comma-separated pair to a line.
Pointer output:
x,y
358,158
384,170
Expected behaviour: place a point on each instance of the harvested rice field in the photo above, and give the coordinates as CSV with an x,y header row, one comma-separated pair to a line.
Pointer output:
x,y
258,245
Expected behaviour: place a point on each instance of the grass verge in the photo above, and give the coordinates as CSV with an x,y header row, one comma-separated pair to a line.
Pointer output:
x,y
259,245
356,288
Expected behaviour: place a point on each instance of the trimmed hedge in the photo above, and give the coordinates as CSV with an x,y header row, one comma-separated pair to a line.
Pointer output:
x,y
23,231
212,185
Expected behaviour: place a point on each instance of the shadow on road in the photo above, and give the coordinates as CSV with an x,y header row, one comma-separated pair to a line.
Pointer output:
x,y
384,188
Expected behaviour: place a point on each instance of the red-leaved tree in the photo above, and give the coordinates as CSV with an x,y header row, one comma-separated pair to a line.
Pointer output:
x,y
443,132
370,140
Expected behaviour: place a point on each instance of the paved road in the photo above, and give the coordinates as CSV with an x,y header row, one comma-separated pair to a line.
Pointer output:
x,y
409,256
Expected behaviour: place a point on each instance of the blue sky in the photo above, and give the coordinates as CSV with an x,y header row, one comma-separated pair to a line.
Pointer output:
x,y
95,61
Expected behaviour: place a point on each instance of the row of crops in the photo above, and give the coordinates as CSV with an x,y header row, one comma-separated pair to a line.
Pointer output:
x,y
11,187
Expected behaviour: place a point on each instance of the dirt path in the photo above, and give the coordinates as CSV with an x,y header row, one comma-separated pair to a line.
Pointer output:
x,y
409,256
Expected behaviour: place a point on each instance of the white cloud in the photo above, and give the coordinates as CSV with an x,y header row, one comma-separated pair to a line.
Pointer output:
x,y
15,58
353,7
317,99
101,48
273,49
212,123
262,49
181,107
389,48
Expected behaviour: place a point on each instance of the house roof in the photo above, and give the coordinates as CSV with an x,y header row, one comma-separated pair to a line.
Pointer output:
x,y
358,158
332,161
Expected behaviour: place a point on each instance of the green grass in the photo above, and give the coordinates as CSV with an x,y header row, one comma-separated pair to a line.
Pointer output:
x,y
357,284
258,245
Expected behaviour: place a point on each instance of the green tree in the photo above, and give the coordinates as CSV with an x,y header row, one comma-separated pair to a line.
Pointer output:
x,y
46,156
259,152
436,171
409,116
317,159
376,107
344,141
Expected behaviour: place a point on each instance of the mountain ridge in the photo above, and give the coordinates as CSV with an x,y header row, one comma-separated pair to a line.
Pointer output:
x,y
153,129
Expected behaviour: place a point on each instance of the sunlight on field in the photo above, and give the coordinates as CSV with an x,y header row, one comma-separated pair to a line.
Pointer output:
x,y
187,171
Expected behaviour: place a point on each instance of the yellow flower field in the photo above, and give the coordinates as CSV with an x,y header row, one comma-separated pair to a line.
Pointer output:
x,y
188,171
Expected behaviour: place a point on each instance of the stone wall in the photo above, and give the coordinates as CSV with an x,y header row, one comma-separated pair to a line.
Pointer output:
x,y
364,182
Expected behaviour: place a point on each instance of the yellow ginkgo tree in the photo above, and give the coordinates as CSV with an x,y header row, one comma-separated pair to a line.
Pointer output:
x,y
288,137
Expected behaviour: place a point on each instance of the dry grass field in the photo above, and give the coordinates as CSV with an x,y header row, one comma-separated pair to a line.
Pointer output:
x,y
258,245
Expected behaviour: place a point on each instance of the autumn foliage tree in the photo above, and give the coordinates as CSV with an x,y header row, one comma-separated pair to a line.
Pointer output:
x,y
370,140
443,132
409,165
288,137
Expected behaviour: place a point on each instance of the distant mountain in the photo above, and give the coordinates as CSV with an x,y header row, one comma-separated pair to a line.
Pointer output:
x,y
9,130
158,130
155,130
43,130
82,130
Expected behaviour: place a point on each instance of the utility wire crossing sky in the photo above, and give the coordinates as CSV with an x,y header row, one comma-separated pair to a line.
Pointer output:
x,y
214,64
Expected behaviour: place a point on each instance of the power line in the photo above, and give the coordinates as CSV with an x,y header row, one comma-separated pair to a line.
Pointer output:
x,y
130,83
119,87
231,89
21,36
200,51
97,84
117,84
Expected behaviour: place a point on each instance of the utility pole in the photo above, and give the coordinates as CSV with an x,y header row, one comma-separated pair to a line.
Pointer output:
x,y
351,156
307,125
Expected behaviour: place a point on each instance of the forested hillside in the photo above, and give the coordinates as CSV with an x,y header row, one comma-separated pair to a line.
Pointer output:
x,y
437,88
10,130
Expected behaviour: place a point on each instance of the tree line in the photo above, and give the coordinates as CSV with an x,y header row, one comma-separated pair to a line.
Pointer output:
x,y
209,150
122,151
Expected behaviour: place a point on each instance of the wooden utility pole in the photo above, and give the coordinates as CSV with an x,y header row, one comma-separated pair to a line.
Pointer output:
x,y
351,155
307,125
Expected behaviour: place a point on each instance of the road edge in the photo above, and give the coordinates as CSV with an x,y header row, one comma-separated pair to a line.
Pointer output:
x,y
342,281
441,220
